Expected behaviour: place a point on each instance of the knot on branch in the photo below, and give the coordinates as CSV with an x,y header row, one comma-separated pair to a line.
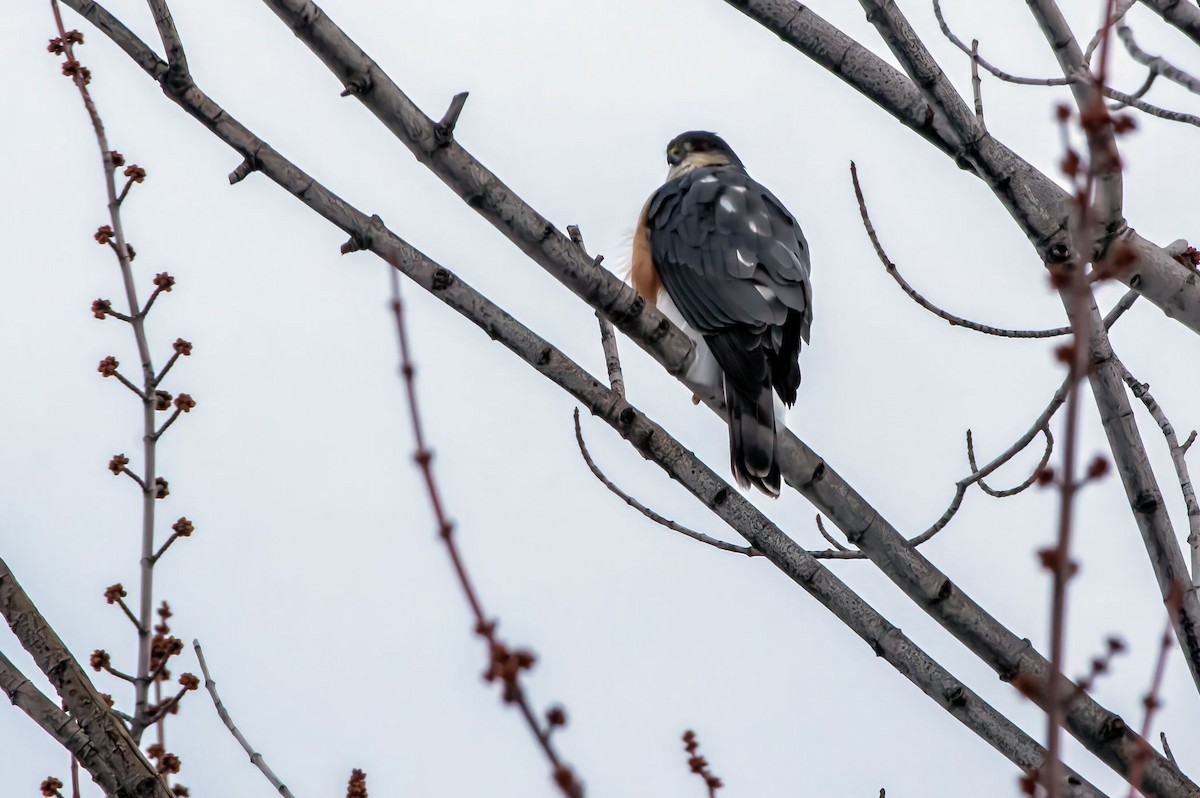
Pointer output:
x,y
359,84
361,240
442,279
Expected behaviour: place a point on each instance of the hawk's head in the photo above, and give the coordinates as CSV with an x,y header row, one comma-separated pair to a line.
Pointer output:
x,y
696,149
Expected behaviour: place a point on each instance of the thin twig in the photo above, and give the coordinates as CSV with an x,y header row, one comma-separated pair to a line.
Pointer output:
x,y
954,320
163,548
977,85
1003,494
129,613
159,432
119,674
1149,108
506,665
608,337
150,303
122,379
255,758
1142,391
825,534
699,765
1151,76
1151,701
1118,14
1097,202
1131,100
960,488
1162,736
1156,63
646,511
171,362
983,62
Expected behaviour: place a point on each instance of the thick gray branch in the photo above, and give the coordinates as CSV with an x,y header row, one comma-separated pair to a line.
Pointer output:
x,y
115,761
1107,380
1105,164
45,713
1179,13
1034,201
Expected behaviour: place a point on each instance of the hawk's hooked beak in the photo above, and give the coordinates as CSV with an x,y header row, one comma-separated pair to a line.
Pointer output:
x,y
674,157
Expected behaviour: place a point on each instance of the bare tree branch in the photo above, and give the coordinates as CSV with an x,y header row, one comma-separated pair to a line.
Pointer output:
x,y
256,758
1120,9
65,731
170,36
957,321
118,765
1183,16
977,85
1004,494
1098,729
1040,424
148,481
1134,101
608,338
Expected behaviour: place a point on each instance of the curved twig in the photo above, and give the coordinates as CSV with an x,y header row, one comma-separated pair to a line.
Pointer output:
x,y
1117,311
1040,424
1003,494
839,552
1156,63
827,536
716,543
954,320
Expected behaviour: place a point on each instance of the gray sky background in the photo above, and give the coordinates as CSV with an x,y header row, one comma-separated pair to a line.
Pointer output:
x,y
315,581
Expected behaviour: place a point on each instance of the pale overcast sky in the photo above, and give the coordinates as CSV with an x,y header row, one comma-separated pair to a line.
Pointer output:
x,y
315,580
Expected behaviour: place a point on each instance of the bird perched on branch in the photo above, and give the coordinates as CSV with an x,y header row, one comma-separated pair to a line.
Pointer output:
x,y
734,267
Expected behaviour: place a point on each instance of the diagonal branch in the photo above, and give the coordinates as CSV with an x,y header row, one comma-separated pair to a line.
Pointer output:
x,y
54,721
124,770
1183,16
1105,160
1156,63
1099,730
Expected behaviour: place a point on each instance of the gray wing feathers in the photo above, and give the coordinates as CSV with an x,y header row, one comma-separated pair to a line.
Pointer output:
x,y
727,237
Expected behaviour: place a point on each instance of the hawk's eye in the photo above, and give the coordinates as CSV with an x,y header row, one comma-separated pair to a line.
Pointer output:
x,y
700,146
